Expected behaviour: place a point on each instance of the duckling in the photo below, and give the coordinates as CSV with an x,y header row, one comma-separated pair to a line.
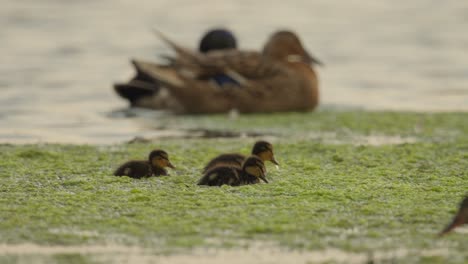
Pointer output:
x,y
262,149
157,161
143,91
460,218
278,79
251,172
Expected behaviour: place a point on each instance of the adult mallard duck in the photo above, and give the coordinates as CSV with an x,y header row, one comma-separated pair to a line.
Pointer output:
x,y
261,149
460,218
157,161
252,171
280,78
143,91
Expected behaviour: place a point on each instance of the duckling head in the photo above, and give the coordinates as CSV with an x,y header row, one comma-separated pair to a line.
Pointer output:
x,y
264,150
285,46
217,39
254,166
160,159
460,219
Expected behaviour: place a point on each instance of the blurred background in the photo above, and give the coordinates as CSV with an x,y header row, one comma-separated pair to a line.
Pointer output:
x,y
60,58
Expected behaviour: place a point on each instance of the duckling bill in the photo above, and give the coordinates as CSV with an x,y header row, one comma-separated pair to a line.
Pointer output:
x,y
157,161
252,171
460,218
261,149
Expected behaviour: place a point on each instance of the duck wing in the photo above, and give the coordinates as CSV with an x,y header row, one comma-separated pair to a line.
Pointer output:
x,y
260,84
239,65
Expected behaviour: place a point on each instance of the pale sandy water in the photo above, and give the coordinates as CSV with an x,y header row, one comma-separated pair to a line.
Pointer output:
x,y
255,254
60,58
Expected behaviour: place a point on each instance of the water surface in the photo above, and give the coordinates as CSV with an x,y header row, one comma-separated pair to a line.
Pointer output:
x,y
60,58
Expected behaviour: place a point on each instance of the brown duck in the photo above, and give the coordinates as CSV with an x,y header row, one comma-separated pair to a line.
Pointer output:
x,y
261,149
251,172
280,78
460,218
143,91
157,161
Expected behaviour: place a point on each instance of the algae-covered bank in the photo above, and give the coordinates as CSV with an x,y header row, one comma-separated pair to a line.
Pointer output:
x,y
353,187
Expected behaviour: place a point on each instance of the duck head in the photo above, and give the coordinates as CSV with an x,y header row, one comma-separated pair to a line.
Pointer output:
x,y
460,219
264,150
217,39
160,159
254,166
285,46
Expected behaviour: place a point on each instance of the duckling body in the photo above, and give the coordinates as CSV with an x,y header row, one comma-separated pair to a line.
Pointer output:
x,y
278,79
228,159
262,149
460,218
251,172
220,175
155,165
135,169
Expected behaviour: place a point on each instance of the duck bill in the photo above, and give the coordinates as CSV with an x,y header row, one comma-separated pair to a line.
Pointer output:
x,y
169,164
264,179
274,161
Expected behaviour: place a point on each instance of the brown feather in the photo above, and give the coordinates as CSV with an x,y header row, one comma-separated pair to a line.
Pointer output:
x,y
261,148
235,176
135,169
266,83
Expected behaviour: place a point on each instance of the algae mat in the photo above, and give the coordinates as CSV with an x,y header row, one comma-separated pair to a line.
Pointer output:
x,y
363,185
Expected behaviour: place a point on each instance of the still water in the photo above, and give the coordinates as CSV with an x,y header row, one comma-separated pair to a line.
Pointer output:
x,y
60,58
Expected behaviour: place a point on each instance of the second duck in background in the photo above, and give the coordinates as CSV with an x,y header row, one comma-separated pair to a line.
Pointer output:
x,y
278,79
143,91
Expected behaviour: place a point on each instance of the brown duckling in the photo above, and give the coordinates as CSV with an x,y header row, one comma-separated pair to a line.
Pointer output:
x,y
262,149
157,161
460,218
251,172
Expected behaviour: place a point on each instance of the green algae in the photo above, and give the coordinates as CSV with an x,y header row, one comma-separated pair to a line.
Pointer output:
x,y
349,196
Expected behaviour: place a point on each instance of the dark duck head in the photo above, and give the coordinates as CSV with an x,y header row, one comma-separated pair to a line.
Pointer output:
x,y
217,39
